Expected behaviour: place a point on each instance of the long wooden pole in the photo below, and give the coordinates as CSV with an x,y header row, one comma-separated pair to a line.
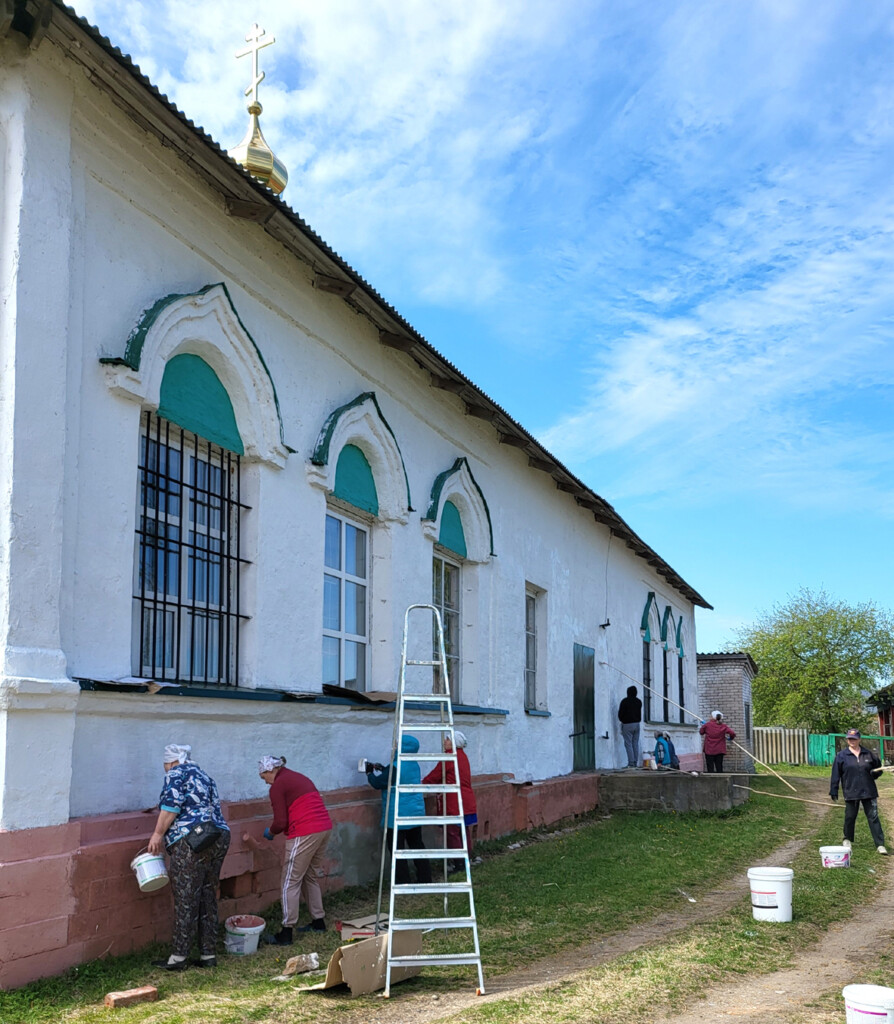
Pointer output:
x,y
698,718
783,796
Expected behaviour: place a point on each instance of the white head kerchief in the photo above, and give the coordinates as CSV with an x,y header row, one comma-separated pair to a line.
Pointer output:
x,y
268,762
177,752
717,714
460,738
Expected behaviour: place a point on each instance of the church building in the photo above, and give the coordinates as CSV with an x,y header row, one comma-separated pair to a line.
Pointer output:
x,y
227,467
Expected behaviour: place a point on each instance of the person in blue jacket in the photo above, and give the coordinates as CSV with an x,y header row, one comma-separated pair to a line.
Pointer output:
x,y
409,837
662,751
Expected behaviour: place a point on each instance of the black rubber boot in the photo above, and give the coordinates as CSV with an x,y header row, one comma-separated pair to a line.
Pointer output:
x,y
283,937
317,925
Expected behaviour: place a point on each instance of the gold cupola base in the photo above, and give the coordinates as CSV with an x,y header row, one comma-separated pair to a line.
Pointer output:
x,y
257,157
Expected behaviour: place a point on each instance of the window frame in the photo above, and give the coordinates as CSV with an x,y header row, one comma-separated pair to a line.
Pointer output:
x,y
191,558
454,659
353,519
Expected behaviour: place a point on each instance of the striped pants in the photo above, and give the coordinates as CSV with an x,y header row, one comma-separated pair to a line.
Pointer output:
x,y
302,870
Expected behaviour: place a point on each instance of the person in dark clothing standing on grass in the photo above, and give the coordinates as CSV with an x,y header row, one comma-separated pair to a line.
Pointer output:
x,y
855,768
630,714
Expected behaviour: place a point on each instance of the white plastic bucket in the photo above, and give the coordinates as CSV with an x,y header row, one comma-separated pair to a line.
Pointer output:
x,y
150,871
835,856
868,1004
243,932
771,893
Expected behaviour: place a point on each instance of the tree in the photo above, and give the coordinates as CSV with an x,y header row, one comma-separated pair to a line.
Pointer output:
x,y
818,659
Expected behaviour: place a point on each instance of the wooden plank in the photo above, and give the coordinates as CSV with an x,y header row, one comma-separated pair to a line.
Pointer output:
x,y
455,387
334,285
542,464
479,412
514,440
401,342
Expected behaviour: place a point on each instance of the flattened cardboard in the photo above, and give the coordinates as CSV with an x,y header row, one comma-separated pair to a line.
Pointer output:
x,y
361,965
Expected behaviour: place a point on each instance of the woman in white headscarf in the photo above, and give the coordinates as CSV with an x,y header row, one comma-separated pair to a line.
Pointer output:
x,y
192,830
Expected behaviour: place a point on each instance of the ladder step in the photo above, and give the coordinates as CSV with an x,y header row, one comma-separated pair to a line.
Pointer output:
x,y
430,854
429,787
429,664
416,889
406,923
435,958
431,819
449,758
428,727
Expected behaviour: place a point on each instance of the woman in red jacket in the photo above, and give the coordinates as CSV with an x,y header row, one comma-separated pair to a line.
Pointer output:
x,y
716,734
298,811
444,773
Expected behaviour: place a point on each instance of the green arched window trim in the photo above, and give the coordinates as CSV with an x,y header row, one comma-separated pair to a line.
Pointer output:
x,y
644,624
438,488
133,347
321,451
451,535
193,397
354,482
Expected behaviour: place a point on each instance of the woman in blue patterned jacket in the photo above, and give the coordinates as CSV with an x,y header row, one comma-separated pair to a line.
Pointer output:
x,y
189,803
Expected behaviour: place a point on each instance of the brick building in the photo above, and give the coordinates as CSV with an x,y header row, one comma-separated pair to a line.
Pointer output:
x,y
724,684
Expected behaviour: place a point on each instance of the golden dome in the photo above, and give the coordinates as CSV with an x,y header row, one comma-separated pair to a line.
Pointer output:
x,y
257,157
253,152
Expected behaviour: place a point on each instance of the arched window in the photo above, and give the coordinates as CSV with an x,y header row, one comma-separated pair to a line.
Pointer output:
x,y
188,567
208,403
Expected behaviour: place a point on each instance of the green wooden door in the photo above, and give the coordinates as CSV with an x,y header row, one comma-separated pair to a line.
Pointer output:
x,y
584,721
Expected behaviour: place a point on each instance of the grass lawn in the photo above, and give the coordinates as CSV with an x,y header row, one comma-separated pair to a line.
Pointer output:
x,y
544,898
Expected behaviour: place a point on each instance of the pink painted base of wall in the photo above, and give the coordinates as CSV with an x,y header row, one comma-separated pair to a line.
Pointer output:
x,y
68,894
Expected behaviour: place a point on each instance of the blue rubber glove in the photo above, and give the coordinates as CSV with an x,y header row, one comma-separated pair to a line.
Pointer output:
x,y
268,834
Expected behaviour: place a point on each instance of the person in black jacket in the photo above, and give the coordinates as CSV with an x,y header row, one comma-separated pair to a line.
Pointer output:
x,y
855,768
630,714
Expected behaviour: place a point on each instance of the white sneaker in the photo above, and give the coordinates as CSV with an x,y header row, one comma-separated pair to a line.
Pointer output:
x,y
882,849
846,843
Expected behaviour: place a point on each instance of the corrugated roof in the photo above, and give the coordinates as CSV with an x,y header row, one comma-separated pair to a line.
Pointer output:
x,y
244,197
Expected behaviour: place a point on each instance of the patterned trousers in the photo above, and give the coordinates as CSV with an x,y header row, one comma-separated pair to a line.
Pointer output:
x,y
194,881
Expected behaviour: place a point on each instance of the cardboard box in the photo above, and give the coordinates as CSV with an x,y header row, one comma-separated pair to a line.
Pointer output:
x,y
360,928
361,965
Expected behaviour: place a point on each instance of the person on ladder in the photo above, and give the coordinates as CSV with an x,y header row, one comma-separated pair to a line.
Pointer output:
x,y
443,772
409,837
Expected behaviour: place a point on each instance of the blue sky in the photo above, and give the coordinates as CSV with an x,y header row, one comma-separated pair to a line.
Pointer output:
x,y
660,235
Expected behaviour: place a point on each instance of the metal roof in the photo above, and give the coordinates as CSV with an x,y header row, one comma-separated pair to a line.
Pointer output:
x,y
116,74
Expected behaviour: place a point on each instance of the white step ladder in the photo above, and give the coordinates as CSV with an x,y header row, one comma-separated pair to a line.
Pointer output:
x,y
413,713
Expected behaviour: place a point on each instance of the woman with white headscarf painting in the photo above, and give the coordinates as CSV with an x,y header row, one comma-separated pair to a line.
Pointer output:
x,y
299,812
191,828
443,772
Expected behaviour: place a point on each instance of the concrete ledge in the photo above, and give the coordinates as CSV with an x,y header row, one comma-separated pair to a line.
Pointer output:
x,y
640,790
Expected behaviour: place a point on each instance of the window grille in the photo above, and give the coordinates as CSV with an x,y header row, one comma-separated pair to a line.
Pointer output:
x,y
647,680
187,594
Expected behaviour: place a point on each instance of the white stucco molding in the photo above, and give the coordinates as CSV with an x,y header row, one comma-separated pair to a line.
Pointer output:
x,y
207,325
360,422
459,486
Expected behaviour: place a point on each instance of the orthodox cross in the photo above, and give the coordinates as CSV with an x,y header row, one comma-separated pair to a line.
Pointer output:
x,y
254,39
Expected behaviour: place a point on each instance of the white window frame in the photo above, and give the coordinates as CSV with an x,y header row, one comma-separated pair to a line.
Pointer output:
x,y
345,580
454,658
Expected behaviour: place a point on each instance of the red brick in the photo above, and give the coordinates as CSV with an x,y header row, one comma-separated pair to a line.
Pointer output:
x,y
233,888
104,860
267,881
236,864
37,937
35,890
129,825
91,924
14,973
33,843
146,994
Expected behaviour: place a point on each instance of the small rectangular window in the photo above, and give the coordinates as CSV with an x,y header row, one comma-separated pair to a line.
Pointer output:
x,y
345,603
535,661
